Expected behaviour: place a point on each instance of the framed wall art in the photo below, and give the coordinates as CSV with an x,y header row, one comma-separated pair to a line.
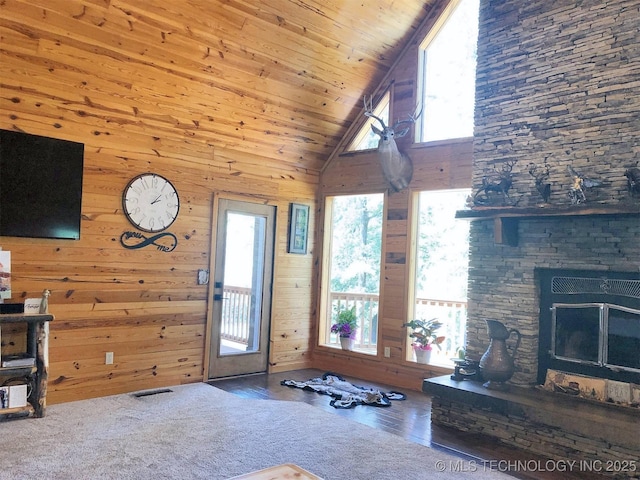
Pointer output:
x,y
298,228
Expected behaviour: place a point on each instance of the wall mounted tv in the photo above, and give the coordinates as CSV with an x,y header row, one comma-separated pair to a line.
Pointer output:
x,y
40,186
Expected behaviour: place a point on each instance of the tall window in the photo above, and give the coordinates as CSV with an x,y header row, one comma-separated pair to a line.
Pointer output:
x,y
354,233
447,70
440,262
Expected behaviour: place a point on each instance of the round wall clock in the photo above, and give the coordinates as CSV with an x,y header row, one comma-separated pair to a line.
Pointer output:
x,y
150,202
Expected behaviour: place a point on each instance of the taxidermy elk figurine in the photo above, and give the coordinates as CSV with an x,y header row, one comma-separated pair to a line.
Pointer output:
x,y
633,180
495,188
396,165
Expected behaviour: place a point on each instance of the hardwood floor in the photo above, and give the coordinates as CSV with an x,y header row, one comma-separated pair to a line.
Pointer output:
x,y
410,419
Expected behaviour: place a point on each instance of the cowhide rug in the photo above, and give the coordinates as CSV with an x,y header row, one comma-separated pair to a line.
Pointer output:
x,y
345,394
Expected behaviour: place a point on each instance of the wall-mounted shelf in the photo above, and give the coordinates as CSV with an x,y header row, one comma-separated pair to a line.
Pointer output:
x,y
505,219
37,340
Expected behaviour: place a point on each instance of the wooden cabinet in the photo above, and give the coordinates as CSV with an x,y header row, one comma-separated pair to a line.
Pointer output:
x,y
34,376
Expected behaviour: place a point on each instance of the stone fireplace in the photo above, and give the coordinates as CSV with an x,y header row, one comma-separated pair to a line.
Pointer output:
x,y
556,87
505,283
557,90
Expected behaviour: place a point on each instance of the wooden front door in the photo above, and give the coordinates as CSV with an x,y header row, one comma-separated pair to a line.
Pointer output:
x,y
241,303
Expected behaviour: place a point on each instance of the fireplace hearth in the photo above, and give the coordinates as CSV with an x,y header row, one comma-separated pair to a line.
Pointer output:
x,y
589,324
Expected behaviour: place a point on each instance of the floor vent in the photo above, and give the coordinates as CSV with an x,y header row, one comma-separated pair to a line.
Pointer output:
x,y
151,392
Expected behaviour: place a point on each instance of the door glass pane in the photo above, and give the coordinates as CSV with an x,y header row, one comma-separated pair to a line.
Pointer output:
x,y
243,268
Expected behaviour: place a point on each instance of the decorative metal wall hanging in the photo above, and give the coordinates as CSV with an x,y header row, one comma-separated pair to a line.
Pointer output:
x,y
168,244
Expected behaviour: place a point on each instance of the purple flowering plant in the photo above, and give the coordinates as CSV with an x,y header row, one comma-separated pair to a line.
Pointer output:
x,y
346,323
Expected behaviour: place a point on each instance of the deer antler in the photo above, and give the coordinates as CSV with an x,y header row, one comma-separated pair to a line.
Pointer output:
x,y
506,167
368,111
411,120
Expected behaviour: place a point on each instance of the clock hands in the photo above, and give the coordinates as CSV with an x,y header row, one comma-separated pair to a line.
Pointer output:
x,y
156,200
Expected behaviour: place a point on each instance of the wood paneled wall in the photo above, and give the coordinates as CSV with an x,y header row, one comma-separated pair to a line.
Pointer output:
x,y
88,71
437,165
144,305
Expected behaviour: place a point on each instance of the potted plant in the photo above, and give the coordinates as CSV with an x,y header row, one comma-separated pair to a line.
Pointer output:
x,y
424,337
345,327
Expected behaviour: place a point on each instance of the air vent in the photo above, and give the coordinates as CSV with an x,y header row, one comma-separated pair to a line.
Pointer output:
x,y
607,286
151,392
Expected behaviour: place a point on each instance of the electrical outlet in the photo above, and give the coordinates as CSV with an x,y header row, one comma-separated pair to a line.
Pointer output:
x,y
108,358
387,352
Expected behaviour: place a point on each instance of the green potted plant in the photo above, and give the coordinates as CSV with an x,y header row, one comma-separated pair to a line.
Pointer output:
x,y
423,333
345,327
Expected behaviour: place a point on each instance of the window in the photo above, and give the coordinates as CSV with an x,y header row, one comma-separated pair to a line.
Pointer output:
x,y
351,277
366,138
447,71
440,260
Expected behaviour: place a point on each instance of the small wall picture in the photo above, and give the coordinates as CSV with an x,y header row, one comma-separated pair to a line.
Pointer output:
x,y
5,274
298,228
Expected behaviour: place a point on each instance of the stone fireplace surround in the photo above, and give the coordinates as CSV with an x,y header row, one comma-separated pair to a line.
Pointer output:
x,y
502,279
504,287
556,85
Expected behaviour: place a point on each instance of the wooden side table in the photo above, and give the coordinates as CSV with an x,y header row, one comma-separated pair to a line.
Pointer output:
x,y
286,471
36,343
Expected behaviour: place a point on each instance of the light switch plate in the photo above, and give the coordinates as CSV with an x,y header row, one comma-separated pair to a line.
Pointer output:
x,y
203,277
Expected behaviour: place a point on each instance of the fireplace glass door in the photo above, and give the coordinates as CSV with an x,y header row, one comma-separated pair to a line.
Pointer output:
x,y
597,334
623,338
577,332
589,324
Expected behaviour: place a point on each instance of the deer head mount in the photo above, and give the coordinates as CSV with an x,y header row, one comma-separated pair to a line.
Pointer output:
x,y
396,165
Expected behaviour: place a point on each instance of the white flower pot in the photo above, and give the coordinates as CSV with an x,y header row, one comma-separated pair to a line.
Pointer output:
x,y
422,356
346,343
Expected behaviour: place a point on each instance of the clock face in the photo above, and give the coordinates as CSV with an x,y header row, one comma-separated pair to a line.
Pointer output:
x,y
150,202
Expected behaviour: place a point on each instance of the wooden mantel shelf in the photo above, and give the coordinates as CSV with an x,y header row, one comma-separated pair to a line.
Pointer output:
x,y
480,213
506,218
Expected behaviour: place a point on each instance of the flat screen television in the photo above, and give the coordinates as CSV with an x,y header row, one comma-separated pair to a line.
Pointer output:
x,y
40,186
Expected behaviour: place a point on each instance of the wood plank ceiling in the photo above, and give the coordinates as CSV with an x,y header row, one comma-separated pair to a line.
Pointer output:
x,y
281,78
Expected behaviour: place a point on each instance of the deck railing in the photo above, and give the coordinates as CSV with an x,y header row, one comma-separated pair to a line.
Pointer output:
x,y
236,314
452,313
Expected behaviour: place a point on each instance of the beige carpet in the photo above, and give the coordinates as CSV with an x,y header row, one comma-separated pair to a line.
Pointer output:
x,y
199,431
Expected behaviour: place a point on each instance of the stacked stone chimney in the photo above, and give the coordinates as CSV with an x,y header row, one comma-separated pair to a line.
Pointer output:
x,y
558,84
